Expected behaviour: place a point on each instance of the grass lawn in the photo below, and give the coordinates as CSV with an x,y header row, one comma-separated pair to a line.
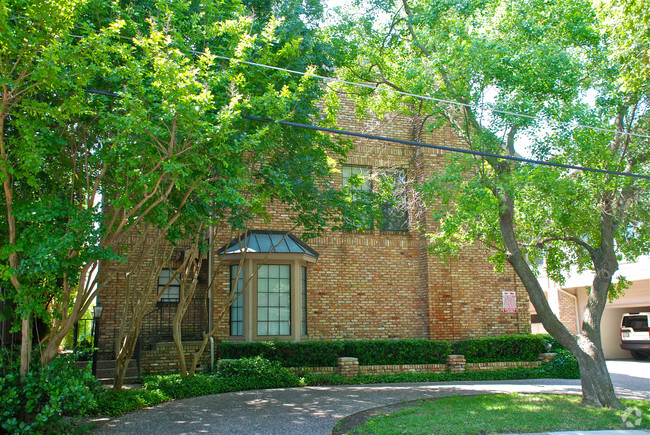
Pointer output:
x,y
503,413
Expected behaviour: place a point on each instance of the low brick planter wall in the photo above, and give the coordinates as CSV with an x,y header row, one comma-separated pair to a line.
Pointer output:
x,y
163,359
402,368
473,367
455,364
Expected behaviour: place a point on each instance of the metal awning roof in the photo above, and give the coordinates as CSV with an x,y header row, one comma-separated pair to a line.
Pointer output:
x,y
262,241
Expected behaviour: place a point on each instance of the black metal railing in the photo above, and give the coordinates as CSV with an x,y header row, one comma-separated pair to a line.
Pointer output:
x,y
157,325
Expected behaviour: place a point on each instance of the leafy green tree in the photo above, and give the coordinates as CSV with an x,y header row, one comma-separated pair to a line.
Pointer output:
x,y
43,234
542,59
119,117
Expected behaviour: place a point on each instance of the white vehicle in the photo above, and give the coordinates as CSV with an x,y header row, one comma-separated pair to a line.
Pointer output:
x,y
635,334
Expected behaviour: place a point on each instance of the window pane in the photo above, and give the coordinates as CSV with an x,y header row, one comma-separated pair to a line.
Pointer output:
x,y
263,299
303,291
394,212
262,284
274,300
262,314
173,290
360,215
263,272
237,307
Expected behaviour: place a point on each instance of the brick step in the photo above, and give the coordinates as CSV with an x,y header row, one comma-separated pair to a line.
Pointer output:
x,y
105,372
127,380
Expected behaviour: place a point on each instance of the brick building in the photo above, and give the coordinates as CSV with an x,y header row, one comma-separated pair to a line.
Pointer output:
x,y
378,284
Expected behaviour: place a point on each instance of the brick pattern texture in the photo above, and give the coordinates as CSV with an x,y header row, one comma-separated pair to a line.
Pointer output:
x,y
378,284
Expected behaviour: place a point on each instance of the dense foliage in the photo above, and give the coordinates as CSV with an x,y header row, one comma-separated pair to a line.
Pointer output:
x,y
326,353
504,348
564,82
381,352
39,402
121,125
257,373
236,375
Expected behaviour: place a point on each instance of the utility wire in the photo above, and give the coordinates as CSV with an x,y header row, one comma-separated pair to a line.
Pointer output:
x,y
420,144
409,94
444,148
426,97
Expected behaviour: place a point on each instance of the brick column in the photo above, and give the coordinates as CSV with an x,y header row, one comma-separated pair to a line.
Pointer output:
x,y
456,363
348,367
546,357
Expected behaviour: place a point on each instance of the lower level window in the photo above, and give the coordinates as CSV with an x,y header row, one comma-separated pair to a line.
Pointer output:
x,y
274,303
237,306
274,299
169,286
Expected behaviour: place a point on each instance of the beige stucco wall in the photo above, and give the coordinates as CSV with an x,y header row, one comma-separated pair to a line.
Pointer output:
x,y
636,299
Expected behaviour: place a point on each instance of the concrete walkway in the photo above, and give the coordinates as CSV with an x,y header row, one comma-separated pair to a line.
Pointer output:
x,y
316,410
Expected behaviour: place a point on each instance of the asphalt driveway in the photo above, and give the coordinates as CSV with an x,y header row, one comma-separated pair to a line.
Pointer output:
x,y
315,410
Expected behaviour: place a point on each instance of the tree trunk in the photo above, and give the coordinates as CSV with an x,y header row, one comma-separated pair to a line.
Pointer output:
x,y
25,346
178,343
597,388
123,358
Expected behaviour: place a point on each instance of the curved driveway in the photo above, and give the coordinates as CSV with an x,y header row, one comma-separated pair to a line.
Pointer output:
x,y
315,410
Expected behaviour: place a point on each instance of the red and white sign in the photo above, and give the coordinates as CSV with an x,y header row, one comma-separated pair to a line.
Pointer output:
x,y
509,302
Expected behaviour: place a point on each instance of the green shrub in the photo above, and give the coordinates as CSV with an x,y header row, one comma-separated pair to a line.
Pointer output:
x,y
257,373
115,403
326,353
558,370
500,349
288,354
178,387
563,366
556,346
409,351
38,404
231,375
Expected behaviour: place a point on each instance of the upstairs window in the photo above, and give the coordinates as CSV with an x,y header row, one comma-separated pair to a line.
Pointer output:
x,y
173,291
394,209
357,180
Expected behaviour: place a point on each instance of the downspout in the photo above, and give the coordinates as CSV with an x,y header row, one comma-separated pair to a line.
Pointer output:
x,y
211,353
575,306
210,291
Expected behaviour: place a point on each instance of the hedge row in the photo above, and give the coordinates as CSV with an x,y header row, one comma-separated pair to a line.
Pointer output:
x,y
256,373
503,348
326,353
380,352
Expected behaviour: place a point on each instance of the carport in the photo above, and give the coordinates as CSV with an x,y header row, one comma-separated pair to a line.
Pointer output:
x,y
636,299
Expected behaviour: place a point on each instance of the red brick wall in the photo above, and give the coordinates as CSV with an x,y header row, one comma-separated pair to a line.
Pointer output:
x,y
381,285
567,315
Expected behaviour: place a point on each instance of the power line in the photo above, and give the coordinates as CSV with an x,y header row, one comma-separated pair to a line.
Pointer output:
x,y
409,94
445,148
420,144
426,97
